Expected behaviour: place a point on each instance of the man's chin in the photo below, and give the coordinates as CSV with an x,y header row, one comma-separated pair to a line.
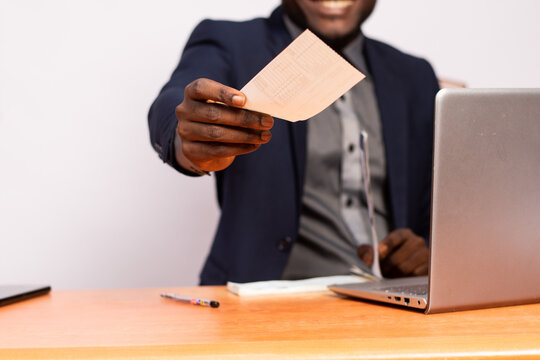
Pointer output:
x,y
334,31
335,39
332,37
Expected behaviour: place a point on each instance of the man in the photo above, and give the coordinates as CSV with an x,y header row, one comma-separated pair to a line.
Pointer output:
x,y
291,199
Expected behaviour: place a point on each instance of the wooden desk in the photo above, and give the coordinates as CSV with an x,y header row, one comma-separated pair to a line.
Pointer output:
x,y
131,324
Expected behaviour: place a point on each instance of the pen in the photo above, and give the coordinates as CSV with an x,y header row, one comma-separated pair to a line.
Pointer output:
x,y
190,300
364,164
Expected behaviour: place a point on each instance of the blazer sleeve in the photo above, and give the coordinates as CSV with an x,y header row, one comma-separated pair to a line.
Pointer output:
x,y
205,56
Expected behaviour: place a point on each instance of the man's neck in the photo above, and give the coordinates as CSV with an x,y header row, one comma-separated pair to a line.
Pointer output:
x,y
350,48
337,44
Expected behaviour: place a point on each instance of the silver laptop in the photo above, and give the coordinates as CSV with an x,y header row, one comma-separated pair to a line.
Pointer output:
x,y
485,214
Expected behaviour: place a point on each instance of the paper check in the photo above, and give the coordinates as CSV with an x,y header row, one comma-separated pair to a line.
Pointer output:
x,y
303,80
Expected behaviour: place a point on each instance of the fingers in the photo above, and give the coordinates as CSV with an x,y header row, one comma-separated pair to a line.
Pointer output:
x,y
194,131
366,254
223,115
408,259
192,110
213,129
403,253
421,270
393,241
206,89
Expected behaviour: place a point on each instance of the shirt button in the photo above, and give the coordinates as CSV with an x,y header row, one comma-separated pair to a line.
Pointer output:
x,y
351,147
284,244
348,202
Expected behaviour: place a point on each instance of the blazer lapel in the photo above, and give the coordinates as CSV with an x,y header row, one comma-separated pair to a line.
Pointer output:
x,y
393,111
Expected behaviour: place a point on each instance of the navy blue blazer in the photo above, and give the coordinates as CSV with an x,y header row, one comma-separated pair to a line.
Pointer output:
x,y
260,193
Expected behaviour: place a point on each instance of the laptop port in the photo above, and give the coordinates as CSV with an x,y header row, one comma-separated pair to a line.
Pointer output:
x,y
407,301
398,298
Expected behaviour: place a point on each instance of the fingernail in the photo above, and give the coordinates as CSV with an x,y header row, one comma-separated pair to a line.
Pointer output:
x,y
238,100
267,121
266,135
383,249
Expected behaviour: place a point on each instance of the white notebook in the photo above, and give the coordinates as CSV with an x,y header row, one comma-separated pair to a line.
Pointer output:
x,y
292,286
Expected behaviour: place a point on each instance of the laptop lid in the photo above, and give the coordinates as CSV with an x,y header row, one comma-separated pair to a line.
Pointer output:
x,y
485,219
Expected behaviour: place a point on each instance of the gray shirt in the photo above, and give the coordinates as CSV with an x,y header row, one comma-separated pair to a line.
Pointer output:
x,y
334,218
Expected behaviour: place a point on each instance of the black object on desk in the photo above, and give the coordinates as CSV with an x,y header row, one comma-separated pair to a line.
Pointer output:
x,y
14,293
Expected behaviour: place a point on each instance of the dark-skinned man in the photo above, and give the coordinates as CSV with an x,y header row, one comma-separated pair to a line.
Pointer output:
x,y
292,204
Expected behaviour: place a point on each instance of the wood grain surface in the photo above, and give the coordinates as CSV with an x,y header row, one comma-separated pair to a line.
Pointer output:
x,y
138,323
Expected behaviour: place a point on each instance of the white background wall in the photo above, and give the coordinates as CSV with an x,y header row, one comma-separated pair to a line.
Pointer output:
x,y
84,200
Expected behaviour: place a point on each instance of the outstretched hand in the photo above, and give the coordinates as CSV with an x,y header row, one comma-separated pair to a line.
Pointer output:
x,y
213,129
